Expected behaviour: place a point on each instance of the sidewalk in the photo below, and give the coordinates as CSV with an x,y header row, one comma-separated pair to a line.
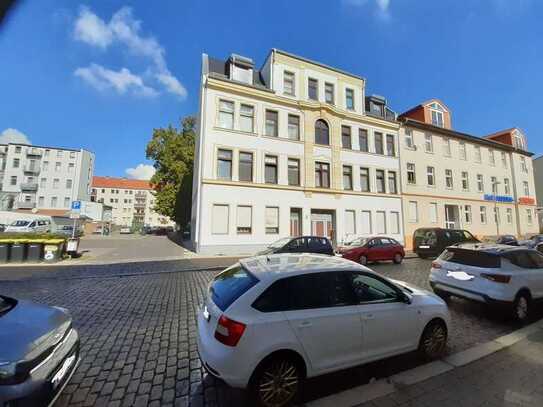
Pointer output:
x,y
510,377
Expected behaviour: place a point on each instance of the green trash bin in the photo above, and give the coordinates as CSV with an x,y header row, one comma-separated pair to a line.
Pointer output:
x,y
34,250
18,251
52,250
5,246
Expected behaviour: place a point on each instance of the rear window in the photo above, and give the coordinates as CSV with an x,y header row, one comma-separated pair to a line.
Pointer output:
x,y
231,284
471,258
427,236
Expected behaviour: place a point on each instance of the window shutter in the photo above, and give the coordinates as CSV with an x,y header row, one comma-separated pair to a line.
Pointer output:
x,y
244,216
220,219
272,217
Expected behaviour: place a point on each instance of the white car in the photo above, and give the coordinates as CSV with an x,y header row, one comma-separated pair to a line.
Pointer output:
x,y
29,226
269,322
497,275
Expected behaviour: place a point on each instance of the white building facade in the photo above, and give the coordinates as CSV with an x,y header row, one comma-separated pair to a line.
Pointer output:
x,y
37,177
295,148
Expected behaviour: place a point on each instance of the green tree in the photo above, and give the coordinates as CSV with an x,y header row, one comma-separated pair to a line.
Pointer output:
x,y
172,151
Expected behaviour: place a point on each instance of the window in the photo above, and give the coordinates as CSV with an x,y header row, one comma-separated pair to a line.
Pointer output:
x,y
518,140
480,183
346,137
467,213
272,220
409,142
366,223
288,83
59,153
411,174
54,202
247,118
447,147
428,143
226,114
413,211
244,220
45,166
395,223
391,147
526,188
71,167
46,153
478,154
271,123
329,93
41,201
16,163
293,127
437,118
433,212
72,154
430,175
270,169
449,179
66,202
43,182
529,216
507,186
392,183
509,215
57,166
365,179
378,140
219,219
246,167
322,133
496,214
363,140
380,222
347,177
491,157
504,159
380,178
13,180
68,184
224,164
18,149
463,152
56,183
322,175
369,289
465,181
329,289
523,165
349,99
350,223
293,171
313,89
494,183
482,212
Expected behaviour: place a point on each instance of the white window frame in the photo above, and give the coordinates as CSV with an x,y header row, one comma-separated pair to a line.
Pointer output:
x,y
428,142
213,230
434,217
465,179
245,115
292,78
221,111
411,169
413,217
274,225
447,151
408,138
244,223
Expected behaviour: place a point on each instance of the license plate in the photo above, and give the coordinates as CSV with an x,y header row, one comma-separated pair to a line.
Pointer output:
x,y
424,247
57,378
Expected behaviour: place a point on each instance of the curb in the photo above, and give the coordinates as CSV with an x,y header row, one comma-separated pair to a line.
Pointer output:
x,y
383,387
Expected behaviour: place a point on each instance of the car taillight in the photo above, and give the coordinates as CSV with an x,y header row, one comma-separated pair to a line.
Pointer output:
x,y
436,265
497,278
229,331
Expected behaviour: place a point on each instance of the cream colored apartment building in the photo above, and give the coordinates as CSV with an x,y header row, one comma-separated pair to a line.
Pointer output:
x,y
454,180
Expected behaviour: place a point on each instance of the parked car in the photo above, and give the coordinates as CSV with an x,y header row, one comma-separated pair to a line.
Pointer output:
x,y
270,322
532,242
68,230
125,230
498,275
365,250
29,226
2,228
39,352
301,244
430,242
508,240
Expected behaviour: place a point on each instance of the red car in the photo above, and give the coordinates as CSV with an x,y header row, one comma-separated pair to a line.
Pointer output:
x,y
365,250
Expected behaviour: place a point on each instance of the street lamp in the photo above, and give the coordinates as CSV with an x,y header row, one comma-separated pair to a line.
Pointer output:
x,y
495,191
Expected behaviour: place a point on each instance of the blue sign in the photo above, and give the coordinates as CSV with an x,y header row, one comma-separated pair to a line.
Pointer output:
x,y
498,198
76,205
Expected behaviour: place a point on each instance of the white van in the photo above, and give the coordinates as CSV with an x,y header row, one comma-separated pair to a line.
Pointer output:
x,y
29,226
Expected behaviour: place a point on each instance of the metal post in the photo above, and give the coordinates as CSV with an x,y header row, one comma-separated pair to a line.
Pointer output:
x,y
73,230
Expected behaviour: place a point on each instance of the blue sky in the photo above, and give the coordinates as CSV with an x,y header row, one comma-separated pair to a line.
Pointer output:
x,y
102,75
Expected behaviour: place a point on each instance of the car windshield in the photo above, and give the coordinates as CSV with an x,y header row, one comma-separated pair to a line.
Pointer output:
x,y
20,223
279,243
361,241
231,284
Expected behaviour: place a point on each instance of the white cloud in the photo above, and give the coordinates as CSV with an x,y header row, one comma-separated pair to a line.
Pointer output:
x,y
124,29
13,136
121,81
142,171
383,6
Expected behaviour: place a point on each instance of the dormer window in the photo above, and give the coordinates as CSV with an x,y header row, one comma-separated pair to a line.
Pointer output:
x,y
376,108
518,141
241,69
288,83
437,114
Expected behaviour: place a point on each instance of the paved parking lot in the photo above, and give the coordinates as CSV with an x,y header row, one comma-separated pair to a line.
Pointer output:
x,y
138,334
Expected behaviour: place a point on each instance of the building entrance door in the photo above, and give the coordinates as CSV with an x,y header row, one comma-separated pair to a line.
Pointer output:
x,y
322,224
452,217
295,222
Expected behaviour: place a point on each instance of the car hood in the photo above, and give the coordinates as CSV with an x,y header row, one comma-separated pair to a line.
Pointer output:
x,y
29,329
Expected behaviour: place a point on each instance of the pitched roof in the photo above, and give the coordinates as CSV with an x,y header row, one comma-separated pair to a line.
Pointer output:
x,y
123,183
501,132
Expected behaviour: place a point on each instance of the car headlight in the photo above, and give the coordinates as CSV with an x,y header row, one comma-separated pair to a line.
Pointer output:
x,y
7,371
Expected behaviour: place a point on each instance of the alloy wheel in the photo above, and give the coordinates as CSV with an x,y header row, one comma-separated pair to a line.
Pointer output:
x,y
278,384
435,341
521,309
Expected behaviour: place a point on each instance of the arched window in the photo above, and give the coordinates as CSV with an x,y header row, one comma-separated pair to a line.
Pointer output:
x,y
322,133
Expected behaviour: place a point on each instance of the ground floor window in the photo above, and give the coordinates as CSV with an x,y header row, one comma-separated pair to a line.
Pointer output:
x,y
482,212
509,215
467,213
413,211
350,223
395,223
529,216
244,220
366,223
380,222
219,219
272,220
433,212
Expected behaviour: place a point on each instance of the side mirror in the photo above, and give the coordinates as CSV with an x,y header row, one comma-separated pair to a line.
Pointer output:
x,y
406,298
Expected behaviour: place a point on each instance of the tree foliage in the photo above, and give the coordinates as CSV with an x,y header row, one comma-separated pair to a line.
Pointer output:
x,y
172,151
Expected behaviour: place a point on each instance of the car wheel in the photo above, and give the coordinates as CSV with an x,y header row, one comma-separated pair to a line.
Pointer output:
x,y
363,260
521,307
398,258
433,340
276,382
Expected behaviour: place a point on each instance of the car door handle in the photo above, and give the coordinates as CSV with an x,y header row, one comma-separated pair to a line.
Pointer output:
x,y
368,317
305,324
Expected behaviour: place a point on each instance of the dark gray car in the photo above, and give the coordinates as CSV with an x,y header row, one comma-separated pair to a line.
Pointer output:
x,y
39,352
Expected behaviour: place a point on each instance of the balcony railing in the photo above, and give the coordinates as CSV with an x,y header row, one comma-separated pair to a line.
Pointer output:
x,y
29,186
32,169
34,152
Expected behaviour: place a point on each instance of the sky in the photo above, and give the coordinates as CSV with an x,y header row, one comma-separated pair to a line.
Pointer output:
x,y
102,75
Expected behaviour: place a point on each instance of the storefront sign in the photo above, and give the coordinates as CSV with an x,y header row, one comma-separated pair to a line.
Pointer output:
x,y
498,198
526,200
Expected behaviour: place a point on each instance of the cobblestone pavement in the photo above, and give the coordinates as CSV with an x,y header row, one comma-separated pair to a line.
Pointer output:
x,y
511,377
138,334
